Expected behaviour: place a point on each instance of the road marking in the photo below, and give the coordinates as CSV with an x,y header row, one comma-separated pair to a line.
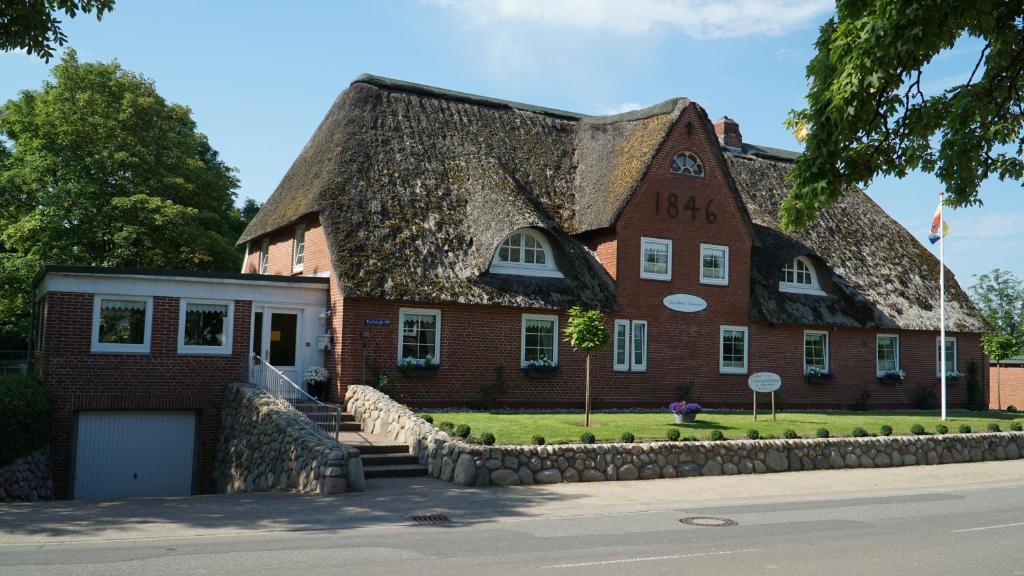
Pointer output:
x,y
987,528
651,558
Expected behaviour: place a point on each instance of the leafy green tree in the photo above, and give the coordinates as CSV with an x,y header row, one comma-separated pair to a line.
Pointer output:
x,y
867,113
586,331
32,25
101,170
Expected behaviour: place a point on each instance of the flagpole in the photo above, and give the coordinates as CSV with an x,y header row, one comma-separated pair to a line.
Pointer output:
x,y
942,305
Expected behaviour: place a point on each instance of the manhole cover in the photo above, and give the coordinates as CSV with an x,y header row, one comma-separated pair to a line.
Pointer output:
x,y
431,519
707,521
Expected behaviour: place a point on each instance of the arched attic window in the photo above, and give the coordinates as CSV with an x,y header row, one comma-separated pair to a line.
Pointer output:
x,y
687,163
525,252
799,276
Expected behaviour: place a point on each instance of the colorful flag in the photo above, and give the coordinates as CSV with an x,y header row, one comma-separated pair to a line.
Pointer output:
x,y
934,236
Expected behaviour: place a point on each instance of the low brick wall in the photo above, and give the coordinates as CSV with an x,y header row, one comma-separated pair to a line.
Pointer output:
x,y
27,479
266,446
455,461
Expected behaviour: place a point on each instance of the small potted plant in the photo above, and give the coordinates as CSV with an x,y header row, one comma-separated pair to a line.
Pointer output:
x,y
315,378
818,376
543,368
417,367
892,377
685,411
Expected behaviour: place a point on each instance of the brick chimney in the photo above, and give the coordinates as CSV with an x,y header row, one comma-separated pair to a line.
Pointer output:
x,y
728,132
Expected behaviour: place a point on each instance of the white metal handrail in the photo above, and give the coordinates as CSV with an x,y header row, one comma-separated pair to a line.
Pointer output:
x,y
326,417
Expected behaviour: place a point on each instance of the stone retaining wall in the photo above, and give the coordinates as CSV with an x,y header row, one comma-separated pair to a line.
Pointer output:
x,y
27,479
452,460
266,446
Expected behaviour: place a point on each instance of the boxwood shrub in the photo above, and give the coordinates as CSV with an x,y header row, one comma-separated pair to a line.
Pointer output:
x,y
790,434
26,416
965,428
917,430
753,434
537,440
587,438
487,439
1016,427
672,434
822,433
994,427
463,430
885,430
717,436
627,437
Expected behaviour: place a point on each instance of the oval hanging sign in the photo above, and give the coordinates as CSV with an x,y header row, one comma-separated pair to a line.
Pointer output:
x,y
684,303
764,382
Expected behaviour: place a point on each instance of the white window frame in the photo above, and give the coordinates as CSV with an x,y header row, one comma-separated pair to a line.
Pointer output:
x,y
546,270
264,262
878,339
725,265
635,366
722,368
697,160
110,347
938,355
522,338
827,345
437,330
644,241
814,288
229,321
616,365
300,231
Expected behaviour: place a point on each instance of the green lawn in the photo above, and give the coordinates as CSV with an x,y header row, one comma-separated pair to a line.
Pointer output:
x,y
560,427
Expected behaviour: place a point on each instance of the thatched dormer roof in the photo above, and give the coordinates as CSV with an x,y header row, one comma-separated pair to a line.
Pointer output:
x,y
416,186
876,274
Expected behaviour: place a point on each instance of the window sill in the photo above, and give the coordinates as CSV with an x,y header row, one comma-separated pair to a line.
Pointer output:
x,y
119,350
656,278
195,352
712,282
525,271
797,289
733,371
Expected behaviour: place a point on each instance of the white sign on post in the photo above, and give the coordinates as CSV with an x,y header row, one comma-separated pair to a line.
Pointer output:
x,y
764,382
684,303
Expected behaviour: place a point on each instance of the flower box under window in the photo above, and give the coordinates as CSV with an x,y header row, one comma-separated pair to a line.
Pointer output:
x,y
417,368
540,371
891,378
819,377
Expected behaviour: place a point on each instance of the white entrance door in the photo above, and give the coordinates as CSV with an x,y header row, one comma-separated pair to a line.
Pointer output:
x,y
276,335
126,454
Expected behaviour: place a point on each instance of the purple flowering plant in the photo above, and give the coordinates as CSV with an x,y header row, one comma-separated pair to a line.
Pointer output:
x,y
684,407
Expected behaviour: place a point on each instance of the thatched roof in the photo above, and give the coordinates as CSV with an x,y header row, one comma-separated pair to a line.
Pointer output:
x,y
876,274
416,187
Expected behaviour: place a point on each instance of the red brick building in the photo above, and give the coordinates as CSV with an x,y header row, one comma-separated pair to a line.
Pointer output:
x,y
437,239
461,228
1006,384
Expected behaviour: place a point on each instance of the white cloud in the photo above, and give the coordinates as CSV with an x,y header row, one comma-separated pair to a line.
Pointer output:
x,y
985,227
696,18
619,108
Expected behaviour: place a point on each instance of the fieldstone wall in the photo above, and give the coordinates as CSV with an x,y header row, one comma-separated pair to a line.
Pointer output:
x,y
267,446
455,461
27,479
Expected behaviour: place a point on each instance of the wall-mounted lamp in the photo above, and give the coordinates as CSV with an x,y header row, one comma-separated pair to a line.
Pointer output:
x,y
324,316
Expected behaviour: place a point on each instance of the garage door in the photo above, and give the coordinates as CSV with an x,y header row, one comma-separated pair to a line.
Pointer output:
x,y
129,454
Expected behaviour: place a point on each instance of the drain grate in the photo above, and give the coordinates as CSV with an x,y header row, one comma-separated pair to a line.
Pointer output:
x,y
431,519
707,521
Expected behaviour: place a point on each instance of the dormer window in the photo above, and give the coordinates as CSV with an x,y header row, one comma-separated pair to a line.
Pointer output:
x,y
525,252
687,163
799,276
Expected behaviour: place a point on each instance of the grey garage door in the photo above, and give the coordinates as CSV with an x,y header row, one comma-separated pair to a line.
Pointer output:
x,y
125,454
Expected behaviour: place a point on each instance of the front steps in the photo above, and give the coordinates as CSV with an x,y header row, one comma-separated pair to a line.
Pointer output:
x,y
381,457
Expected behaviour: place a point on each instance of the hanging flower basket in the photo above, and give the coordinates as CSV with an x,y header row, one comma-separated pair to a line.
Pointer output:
x,y
540,371
819,377
891,378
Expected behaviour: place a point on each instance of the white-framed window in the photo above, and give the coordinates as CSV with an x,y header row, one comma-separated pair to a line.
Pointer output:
x,y
264,256
887,353
205,326
419,335
732,350
815,351
798,275
950,356
655,259
687,163
299,248
714,264
629,346
620,346
121,324
525,252
638,347
539,340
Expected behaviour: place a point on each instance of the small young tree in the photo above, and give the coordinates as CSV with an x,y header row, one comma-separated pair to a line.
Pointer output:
x,y
586,331
999,347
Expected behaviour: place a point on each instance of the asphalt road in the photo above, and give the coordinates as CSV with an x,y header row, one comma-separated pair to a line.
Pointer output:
x,y
955,519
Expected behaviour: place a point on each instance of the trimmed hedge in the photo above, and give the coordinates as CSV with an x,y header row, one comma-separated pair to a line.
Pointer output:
x,y
26,416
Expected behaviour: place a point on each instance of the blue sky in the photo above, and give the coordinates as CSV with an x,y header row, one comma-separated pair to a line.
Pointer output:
x,y
259,75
